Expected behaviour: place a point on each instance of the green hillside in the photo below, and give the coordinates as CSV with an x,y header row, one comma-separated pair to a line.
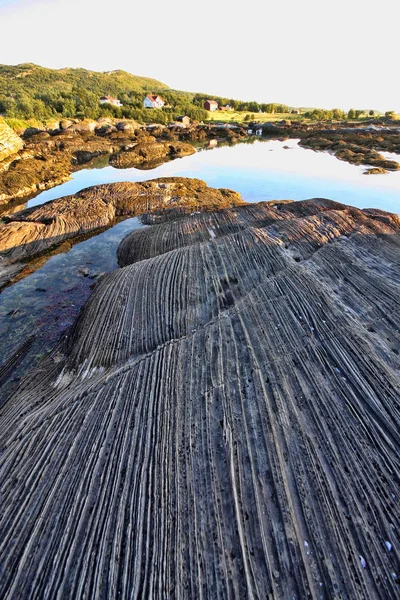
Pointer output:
x,y
29,91
31,78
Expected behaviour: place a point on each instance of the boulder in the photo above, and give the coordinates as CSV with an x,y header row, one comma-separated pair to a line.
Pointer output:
x,y
83,127
105,129
66,124
30,131
10,142
126,126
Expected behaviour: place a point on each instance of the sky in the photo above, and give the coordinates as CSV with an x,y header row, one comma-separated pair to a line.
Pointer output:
x,y
309,53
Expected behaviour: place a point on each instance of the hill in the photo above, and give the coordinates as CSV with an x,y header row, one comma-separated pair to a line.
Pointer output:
x,y
28,91
30,78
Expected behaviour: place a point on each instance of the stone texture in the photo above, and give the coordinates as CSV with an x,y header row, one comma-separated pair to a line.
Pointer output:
x,y
34,230
221,422
10,142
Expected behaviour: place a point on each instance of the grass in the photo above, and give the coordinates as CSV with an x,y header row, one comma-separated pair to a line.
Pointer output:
x,y
19,125
240,117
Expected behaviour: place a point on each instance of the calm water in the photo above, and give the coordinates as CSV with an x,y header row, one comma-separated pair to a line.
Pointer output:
x,y
260,171
47,302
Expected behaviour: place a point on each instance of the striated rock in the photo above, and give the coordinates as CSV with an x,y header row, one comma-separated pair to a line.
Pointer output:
x,y
222,421
10,142
34,230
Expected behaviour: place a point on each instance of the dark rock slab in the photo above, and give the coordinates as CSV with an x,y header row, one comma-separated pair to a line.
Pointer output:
x,y
222,421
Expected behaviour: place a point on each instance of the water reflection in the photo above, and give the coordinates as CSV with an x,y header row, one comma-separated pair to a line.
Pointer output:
x,y
261,170
48,301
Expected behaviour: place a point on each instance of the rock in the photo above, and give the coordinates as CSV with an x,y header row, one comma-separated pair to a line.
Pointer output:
x,y
27,175
129,126
36,229
359,148
66,124
84,156
30,131
83,127
10,142
192,424
105,129
375,171
150,152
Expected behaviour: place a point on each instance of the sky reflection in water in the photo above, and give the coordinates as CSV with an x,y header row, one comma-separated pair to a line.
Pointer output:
x,y
260,171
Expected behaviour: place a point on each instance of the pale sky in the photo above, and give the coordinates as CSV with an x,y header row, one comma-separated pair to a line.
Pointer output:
x,y
343,53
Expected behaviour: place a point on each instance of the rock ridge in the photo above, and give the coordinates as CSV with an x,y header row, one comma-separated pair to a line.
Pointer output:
x,y
221,421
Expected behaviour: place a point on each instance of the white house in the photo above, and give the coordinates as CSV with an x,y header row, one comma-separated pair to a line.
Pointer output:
x,y
153,101
110,100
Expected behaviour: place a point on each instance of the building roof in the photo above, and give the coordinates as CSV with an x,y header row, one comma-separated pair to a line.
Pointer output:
x,y
154,97
108,98
212,101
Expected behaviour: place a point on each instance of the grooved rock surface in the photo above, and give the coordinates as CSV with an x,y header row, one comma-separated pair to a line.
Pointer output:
x,y
10,142
222,421
34,230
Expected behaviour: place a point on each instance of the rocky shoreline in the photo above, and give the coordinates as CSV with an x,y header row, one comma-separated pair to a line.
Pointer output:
x,y
28,233
48,157
355,145
222,419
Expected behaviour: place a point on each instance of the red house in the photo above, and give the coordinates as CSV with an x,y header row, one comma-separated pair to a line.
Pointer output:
x,y
211,105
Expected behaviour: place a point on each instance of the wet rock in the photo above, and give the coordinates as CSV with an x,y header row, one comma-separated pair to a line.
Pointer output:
x,y
84,156
149,152
34,230
217,404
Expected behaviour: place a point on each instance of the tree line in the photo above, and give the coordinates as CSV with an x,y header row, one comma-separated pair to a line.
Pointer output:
x,y
31,92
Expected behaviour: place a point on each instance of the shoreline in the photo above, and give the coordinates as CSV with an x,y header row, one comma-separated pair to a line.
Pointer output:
x,y
48,158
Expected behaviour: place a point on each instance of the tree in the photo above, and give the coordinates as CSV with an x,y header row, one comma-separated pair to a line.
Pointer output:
x,y
371,113
351,114
338,114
